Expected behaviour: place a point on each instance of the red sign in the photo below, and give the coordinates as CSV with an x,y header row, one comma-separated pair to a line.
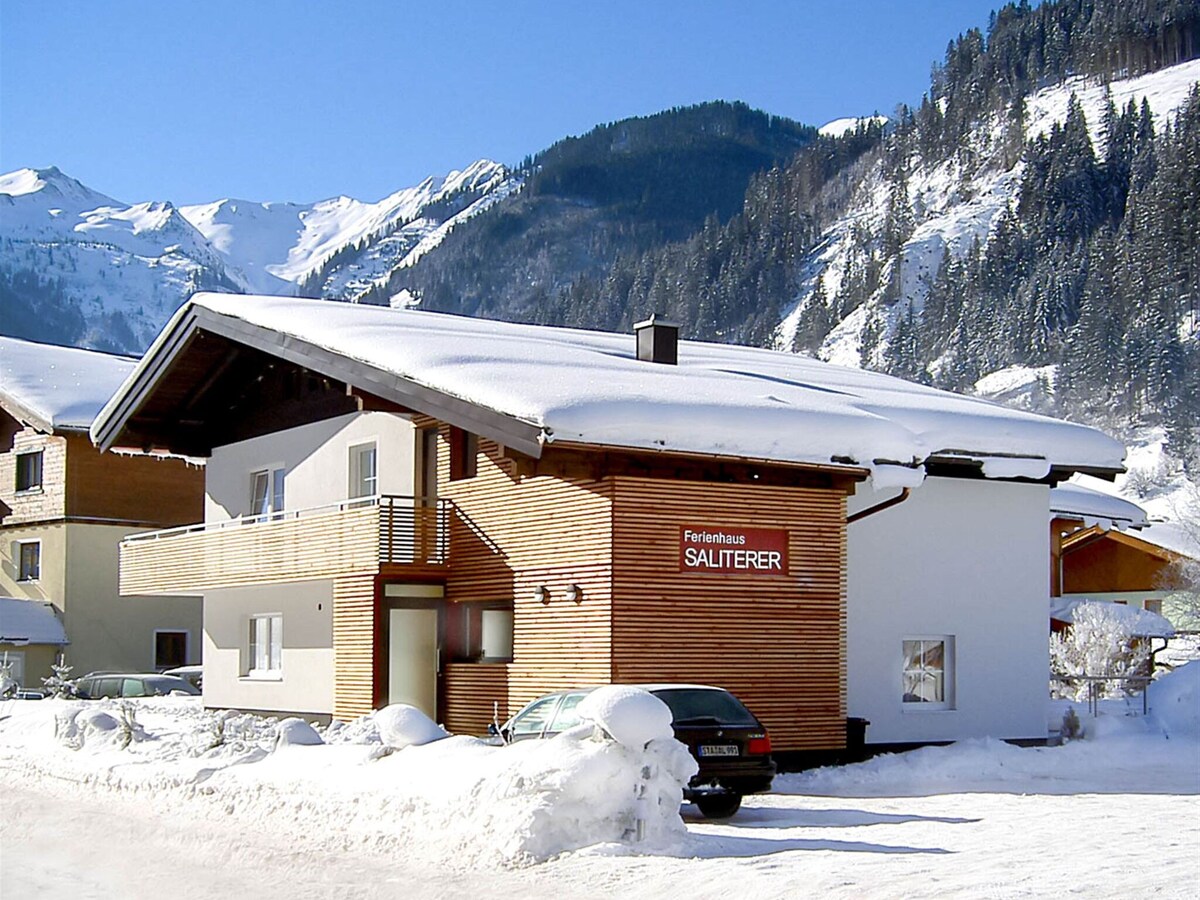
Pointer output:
x,y
733,551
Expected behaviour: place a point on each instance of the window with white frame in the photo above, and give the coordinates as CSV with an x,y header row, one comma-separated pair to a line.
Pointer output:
x,y
364,477
266,646
29,471
266,492
29,560
928,677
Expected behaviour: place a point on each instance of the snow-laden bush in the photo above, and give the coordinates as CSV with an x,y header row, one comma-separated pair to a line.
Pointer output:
x,y
59,683
631,716
108,725
401,725
294,732
1099,643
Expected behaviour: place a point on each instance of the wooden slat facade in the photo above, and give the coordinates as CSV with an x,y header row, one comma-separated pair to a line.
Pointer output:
x,y
320,545
355,608
468,692
536,531
776,641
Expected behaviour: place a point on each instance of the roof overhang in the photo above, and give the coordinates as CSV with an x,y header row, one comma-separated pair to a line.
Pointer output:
x,y
24,414
112,426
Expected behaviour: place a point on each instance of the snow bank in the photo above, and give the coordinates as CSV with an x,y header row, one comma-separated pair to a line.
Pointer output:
x,y
631,716
1175,701
402,725
457,800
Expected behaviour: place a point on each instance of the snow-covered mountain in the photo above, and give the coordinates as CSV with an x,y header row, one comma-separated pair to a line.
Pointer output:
x,y
80,267
279,245
954,202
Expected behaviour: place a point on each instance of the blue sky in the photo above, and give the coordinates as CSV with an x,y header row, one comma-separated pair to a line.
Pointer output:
x,y
301,100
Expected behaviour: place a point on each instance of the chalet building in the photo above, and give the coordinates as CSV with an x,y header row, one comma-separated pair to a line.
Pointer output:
x,y
463,514
1104,548
64,508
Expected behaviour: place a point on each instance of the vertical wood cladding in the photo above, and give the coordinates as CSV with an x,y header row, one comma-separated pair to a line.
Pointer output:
x,y
778,642
152,490
514,534
354,629
78,481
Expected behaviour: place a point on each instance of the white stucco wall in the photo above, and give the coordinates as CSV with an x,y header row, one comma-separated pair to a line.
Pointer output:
x,y
316,458
967,559
307,671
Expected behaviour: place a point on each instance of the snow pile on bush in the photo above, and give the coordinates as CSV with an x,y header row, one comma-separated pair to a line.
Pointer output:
x,y
295,732
401,725
1175,701
77,726
630,716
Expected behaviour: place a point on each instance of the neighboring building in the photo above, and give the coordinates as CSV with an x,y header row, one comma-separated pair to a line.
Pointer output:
x,y
64,508
1104,548
459,513
31,639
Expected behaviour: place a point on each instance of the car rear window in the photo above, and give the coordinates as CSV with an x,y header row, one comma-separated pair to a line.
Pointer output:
x,y
689,704
164,685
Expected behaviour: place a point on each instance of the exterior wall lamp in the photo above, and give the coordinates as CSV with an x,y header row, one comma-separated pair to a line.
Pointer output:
x,y
574,593
541,595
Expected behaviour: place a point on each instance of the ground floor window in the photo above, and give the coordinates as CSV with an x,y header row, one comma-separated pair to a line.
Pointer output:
x,y
29,560
266,646
1154,606
927,681
12,668
170,649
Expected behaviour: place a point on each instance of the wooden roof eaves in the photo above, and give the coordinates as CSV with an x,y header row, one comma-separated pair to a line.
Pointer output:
x,y
856,473
512,432
24,414
1088,536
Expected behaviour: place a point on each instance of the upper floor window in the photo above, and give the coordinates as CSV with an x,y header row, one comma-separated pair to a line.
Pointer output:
x,y
29,471
364,477
29,560
464,447
266,492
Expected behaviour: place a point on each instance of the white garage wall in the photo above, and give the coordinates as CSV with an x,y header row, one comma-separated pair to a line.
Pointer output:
x,y
969,559
307,669
316,457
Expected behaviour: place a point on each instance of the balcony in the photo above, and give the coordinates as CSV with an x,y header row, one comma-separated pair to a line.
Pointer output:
x,y
351,537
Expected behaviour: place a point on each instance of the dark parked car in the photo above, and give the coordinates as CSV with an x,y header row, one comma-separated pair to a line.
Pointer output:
x,y
94,687
729,743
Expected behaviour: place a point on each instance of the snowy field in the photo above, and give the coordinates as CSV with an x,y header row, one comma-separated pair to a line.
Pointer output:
x,y
86,817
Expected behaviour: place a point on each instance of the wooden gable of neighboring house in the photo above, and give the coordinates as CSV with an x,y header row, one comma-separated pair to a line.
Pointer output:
x,y
1095,561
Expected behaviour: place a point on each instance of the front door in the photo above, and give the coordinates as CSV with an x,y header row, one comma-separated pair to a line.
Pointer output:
x,y
413,657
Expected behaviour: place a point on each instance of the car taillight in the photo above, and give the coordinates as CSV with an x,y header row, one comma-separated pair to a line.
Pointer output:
x,y
758,746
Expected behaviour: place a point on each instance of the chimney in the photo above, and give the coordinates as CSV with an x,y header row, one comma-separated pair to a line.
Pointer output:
x,y
657,340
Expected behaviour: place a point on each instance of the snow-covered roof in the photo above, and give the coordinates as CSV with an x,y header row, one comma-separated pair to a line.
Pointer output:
x,y
57,388
1074,501
1141,622
29,622
1178,537
587,387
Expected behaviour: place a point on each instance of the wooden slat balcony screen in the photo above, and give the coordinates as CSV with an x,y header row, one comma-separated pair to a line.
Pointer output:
x,y
351,537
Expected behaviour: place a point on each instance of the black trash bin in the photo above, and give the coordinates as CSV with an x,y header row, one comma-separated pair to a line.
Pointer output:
x,y
856,739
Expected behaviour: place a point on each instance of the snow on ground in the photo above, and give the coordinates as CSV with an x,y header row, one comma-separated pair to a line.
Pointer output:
x,y
1112,816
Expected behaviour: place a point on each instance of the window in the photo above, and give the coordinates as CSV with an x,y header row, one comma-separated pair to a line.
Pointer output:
x,y
29,471
464,447
568,713
29,560
170,649
13,663
1154,606
496,634
266,646
266,492
364,478
928,673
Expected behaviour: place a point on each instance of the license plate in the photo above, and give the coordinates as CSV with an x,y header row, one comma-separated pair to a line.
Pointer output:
x,y
719,750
